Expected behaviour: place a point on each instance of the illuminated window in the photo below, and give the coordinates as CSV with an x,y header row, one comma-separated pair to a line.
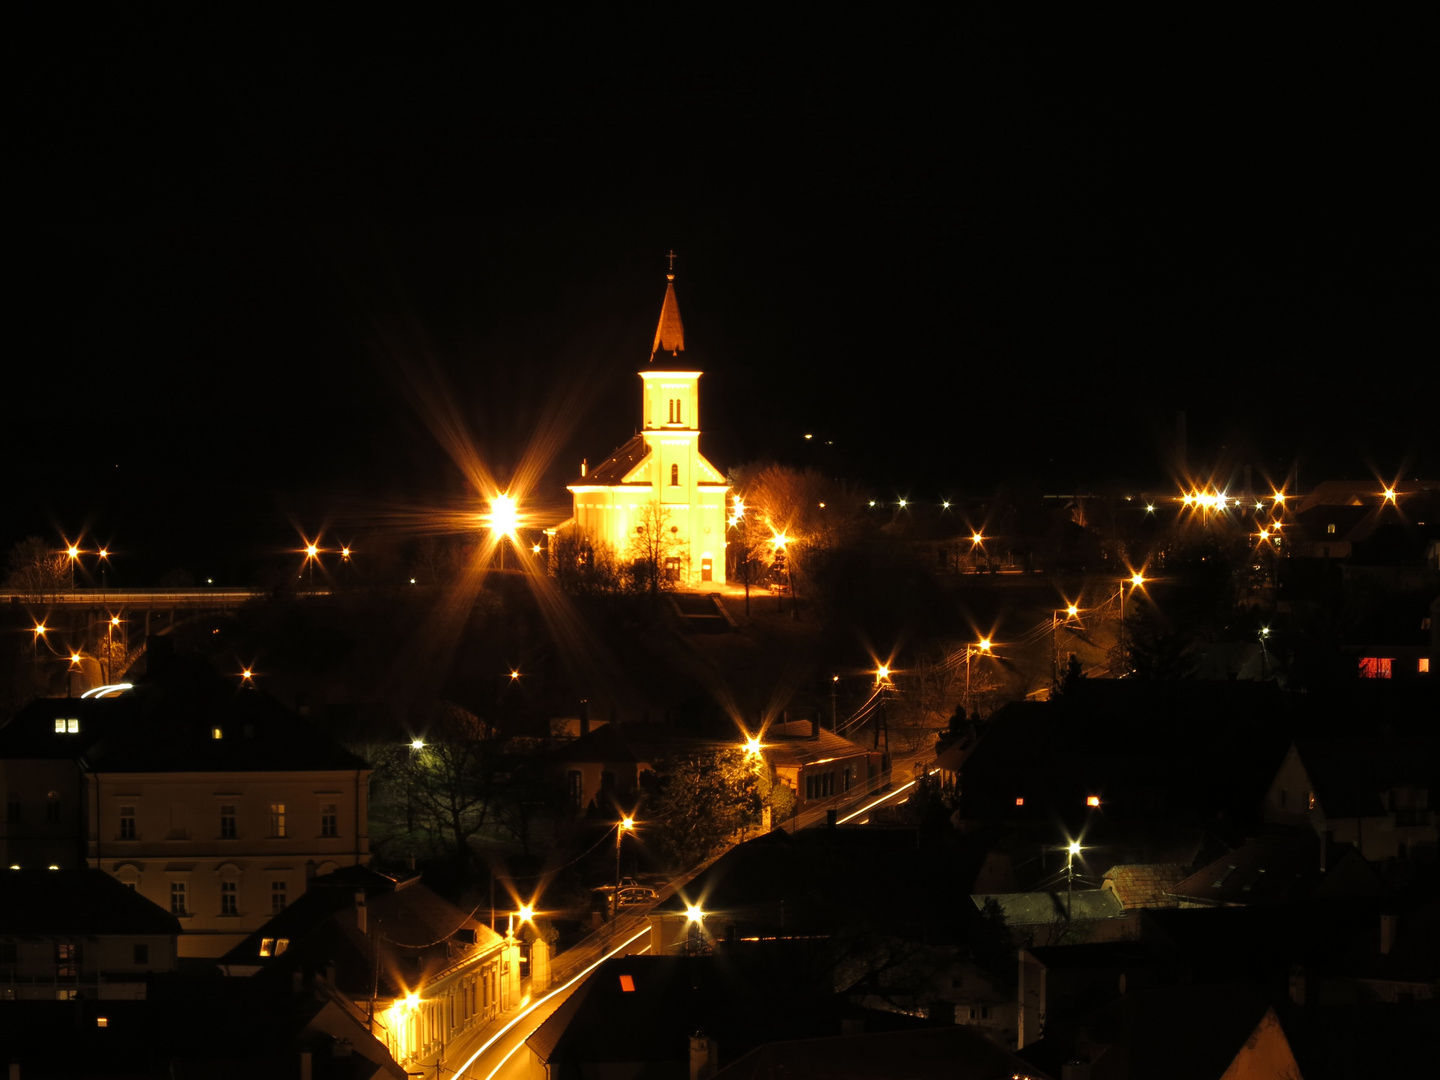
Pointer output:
x,y
627,983
329,820
277,897
229,898
277,819
72,727
267,946
60,727
1092,800
227,821
1423,665
1020,801
66,995
217,733
101,1021
177,898
127,823
67,959
281,944
1375,667
1330,529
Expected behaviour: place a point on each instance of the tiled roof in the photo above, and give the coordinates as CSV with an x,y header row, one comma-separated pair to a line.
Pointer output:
x,y
791,744
1281,870
78,902
1143,885
618,465
1054,906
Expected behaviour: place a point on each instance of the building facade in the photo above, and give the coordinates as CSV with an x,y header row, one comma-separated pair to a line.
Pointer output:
x,y
656,499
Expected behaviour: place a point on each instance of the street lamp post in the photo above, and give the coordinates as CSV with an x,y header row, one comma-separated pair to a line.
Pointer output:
x,y
1070,612
1071,850
981,646
621,827
1135,580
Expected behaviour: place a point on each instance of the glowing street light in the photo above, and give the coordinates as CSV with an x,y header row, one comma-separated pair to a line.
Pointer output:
x,y
621,828
752,746
694,913
1071,611
417,744
981,646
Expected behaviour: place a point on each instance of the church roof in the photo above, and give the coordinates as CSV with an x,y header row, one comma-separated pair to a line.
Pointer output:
x,y
670,333
617,466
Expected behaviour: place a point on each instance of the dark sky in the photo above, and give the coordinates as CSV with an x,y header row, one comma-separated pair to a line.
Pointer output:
x,y
961,258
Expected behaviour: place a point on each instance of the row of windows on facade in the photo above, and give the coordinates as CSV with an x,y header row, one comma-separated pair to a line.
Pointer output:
x,y
329,822
674,415
822,785
229,897
1383,667
69,957
421,1029
15,809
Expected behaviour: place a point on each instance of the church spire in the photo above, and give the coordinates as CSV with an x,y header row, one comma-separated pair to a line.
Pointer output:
x,y
670,333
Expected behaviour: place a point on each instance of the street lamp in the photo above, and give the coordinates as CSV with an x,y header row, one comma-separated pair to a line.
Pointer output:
x,y
622,826
981,646
104,554
1071,850
72,552
1071,612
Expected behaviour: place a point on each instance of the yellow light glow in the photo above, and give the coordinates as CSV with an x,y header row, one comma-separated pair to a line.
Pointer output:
x,y
74,657
1390,494
104,553
945,505
984,644
412,1001
535,549
693,913
345,553
1072,611
739,507
1074,847
882,673
977,538
114,620
779,540
311,551
417,744
752,746
246,674
1137,579
1279,496
627,823
526,913
504,516
514,674
902,504
1092,800
73,551
40,629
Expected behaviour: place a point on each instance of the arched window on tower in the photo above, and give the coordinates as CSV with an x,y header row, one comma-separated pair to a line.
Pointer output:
x,y
674,475
677,412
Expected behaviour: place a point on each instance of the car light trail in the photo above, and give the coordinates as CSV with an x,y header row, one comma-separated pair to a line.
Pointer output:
x,y
535,1005
877,802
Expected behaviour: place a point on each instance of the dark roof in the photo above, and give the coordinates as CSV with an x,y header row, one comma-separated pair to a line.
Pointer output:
x,y
77,902
1183,1033
731,999
617,466
1352,776
950,1053
421,933
1282,870
636,743
1054,906
792,744
1138,885
168,725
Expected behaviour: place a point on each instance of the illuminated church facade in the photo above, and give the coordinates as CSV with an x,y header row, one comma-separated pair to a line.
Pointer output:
x,y
656,496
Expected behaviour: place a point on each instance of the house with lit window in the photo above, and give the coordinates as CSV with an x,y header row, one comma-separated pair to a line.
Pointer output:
x,y
79,934
818,765
210,799
424,972
1372,793
656,497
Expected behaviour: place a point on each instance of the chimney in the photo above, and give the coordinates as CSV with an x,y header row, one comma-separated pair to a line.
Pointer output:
x,y
1297,984
815,726
584,466
1387,933
584,717
361,923
704,1056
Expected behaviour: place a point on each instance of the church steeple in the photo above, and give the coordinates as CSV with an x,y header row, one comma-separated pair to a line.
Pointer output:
x,y
670,333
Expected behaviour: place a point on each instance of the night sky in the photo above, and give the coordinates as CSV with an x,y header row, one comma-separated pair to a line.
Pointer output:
x,y
957,259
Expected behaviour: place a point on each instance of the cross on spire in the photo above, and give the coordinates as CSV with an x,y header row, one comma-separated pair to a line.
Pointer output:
x,y
671,257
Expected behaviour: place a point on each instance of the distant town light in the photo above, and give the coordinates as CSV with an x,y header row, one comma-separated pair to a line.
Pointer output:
x,y
526,913
1137,579
1020,801
504,516
417,744
984,644
752,746
1390,494
694,913
1092,800
977,538
1074,848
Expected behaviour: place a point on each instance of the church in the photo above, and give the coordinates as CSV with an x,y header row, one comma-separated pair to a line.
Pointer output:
x,y
656,497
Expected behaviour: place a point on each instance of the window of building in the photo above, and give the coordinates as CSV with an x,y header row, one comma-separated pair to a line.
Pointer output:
x,y
267,946
14,810
1375,667
229,898
217,733
1310,800
70,726
177,898
127,823
576,785
674,475
277,897
1423,665
281,944
329,820
67,959
1330,530
66,995
227,821
277,819
142,954
52,806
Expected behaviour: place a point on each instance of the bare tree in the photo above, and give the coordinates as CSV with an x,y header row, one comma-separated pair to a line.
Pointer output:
x,y
36,570
659,556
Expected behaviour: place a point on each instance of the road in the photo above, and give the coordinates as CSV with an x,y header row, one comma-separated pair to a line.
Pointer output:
x,y
503,1056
